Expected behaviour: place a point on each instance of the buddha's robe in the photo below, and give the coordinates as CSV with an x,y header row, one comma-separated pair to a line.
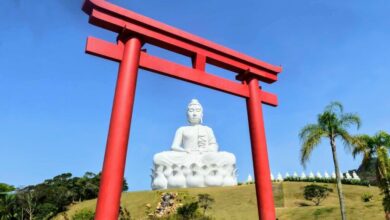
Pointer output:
x,y
194,144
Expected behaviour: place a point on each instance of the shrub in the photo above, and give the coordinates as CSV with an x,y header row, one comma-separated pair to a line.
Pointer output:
x,y
188,211
205,201
84,214
124,214
366,197
316,193
327,180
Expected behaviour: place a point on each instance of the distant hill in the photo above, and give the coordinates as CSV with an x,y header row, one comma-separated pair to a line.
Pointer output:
x,y
239,202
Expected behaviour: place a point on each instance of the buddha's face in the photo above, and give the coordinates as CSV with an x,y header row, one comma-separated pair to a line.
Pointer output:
x,y
194,114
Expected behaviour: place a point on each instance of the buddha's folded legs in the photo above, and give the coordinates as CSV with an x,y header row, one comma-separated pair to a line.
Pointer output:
x,y
169,158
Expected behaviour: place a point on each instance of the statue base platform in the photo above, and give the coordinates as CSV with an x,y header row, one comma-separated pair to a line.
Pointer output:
x,y
174,169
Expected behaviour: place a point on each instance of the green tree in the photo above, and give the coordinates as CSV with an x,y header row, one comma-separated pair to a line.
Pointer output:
x,y
376,147
205,201
27,199
331,124
45,200
316,193
7,202
9,210
4,188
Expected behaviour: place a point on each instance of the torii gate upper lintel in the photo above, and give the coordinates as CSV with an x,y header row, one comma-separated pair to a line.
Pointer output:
x,y
133,31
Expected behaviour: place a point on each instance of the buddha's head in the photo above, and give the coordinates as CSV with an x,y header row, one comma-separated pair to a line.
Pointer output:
x,y
194,112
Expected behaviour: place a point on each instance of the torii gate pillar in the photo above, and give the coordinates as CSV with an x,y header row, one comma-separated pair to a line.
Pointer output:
x,y
264,195
118,135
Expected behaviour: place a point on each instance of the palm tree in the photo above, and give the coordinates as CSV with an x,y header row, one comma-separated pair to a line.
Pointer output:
x,y
376,147
331,124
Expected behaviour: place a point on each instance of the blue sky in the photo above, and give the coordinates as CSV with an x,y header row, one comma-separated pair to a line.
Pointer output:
x,y
56,100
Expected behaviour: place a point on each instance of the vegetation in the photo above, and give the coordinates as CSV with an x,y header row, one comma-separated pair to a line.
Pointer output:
x,y
205,201
366,197
7,201
188,211
47,199
84,214
331,124
327,180
240,202
376,147
124,214
5,188
316,193
88,214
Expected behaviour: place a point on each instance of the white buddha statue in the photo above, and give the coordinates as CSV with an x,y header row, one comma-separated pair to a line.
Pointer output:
x,y
194,160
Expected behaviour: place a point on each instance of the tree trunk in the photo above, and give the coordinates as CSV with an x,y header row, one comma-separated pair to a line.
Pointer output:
x,y
382,175
338,179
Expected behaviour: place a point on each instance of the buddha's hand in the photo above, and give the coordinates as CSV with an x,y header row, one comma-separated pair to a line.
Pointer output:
x,y
204,150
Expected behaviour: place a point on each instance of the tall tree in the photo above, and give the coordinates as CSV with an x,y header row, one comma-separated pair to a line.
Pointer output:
x,y
331,124
376,147
28,201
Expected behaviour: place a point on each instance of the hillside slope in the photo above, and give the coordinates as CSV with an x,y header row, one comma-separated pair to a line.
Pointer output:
x,y
240,202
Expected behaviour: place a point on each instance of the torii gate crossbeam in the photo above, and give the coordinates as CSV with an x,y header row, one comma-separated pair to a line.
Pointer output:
x,y
133,31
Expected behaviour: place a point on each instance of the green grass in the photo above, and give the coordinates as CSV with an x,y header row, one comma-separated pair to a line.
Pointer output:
x,y
239,202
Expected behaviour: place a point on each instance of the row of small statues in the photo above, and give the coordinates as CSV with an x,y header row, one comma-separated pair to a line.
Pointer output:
x,y
311,175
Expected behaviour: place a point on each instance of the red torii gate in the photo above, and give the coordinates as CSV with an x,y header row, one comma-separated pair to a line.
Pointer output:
x,y
134,30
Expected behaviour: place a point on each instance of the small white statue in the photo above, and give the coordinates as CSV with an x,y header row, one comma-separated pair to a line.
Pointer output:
x,y
341,175
311,175
295,175
249,179
348,176
318,175
303,175
287,175
355,176
194,160
279,178
326,175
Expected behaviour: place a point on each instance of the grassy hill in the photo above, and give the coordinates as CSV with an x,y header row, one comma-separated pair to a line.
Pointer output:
x,y
239,202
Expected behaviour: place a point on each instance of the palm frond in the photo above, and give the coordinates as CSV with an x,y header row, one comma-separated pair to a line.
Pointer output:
x,y
348,119
383,161
333,106
307,130
345,137
360,144
310,137
382,139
